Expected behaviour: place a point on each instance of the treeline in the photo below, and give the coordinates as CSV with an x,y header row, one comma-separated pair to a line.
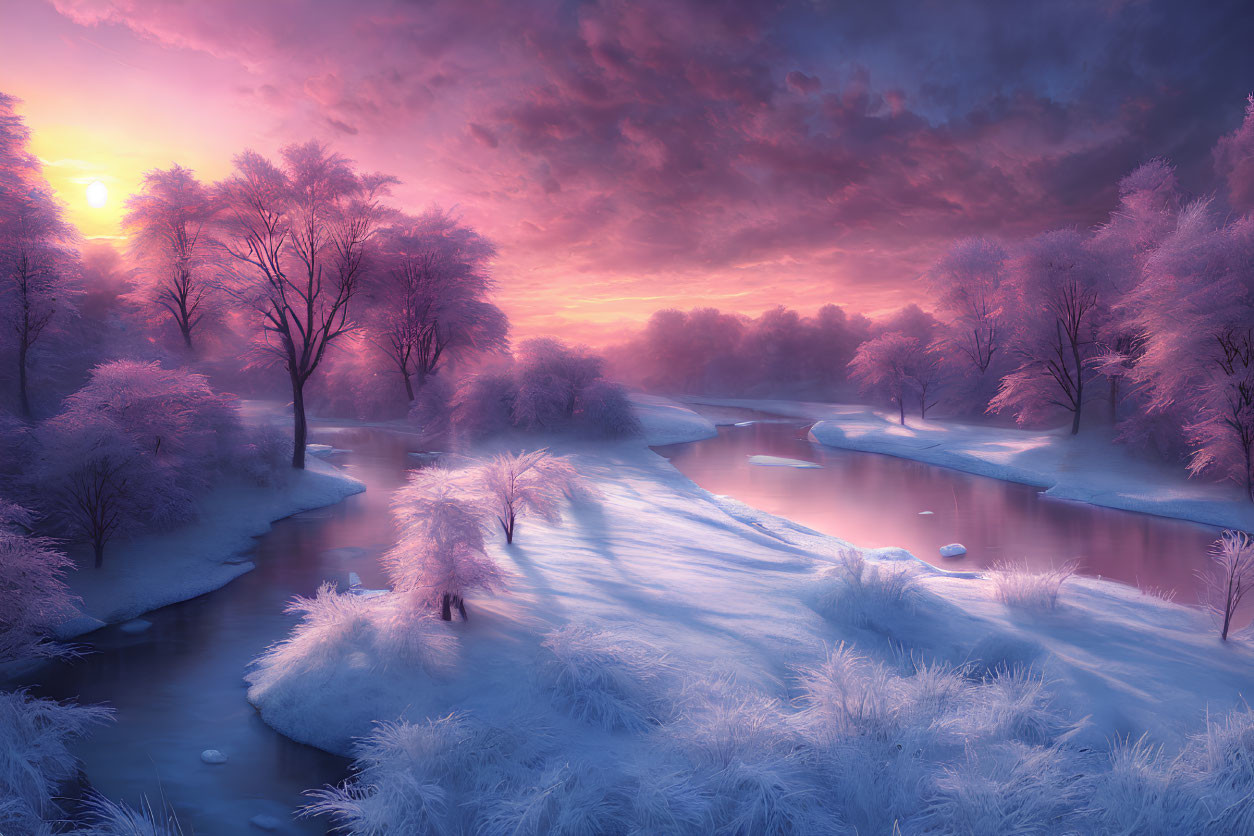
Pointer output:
x,y
1145,323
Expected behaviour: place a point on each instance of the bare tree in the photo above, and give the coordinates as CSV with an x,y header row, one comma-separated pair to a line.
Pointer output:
x,y
298,233
168,222
1230,578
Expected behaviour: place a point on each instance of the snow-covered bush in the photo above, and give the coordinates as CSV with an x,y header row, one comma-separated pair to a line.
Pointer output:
x,y
266,453
439,554
605,677
483,406
867,593
527,483
35,756
605,411
432,409
33,595
1018,587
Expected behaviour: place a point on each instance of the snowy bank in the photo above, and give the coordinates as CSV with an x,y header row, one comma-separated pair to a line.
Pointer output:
x,y
154,570
666,422
1085,468
661,617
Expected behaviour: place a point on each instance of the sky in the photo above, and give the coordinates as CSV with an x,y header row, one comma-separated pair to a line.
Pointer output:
x,y
631,156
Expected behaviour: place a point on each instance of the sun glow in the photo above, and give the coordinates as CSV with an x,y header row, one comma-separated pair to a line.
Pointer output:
x,y
97,194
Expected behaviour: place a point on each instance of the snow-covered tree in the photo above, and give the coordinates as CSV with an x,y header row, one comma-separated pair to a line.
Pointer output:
x,y
1195,306
1057,294
1230,578
37,251
606,411
168,222
550,377
527,483
439,556
33,595
968,283
483,405
1234,161
298,233
429,298
885,366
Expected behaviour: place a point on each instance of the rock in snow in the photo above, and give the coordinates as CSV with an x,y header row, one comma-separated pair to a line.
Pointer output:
x,y
265,822
213,756
953,550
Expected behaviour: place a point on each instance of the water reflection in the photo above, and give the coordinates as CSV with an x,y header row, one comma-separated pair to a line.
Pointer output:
x,y
874,500
178,687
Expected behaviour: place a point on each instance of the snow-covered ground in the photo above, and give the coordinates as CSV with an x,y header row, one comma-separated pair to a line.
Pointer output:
x,y
154,570
690,663
1085,468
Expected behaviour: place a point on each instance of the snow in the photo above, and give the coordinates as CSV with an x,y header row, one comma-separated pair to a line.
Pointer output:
x,y
664,421
953,550
778,461
155,570
1086,468
213,756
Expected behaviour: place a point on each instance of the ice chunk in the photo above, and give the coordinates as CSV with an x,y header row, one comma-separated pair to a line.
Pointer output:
x,y
745,424
953,550
925,513
263,821
776,461
354,579
213,756
137,625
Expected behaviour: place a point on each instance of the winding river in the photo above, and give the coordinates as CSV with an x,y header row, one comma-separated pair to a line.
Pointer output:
x,y
178,690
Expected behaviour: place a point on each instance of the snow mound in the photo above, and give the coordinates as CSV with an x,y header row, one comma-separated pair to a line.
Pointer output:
x,y
953,550
664,421
777,461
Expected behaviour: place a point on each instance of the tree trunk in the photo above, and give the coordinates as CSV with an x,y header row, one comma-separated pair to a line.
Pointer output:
x,y
1114,400
409,387
301,427
1075,421
509,529
98,548
21,379
187,335
446,611
1249,474
901,408
461,607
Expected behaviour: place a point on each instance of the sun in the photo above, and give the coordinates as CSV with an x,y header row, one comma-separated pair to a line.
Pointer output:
x,y
97,194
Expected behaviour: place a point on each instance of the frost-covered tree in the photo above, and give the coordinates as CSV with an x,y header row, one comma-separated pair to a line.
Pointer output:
x,y
33,595
885,366
37,251
1230,578
439,556
1057,294
169,223
298,232
527,483
483,405
606,411
429,300
550,378
1234,161
1195,306
968,283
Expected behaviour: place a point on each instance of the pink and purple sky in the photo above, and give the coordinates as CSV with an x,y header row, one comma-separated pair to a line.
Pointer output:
x,y
628,156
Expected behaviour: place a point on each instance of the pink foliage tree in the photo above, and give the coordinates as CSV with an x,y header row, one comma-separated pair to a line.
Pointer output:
x,y
1057,293
439,556
527,483
887,365
37,250
1195,306
1234,161
34,597
968,283
169,222
298,232
429,299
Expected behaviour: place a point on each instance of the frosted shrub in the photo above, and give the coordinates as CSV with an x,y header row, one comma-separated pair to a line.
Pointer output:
x,y
527,483
564,800
35,757
1019,707
33,593
604,678
1020,588
605,411
1219,763
866,593
1139,793
849,696
266,454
